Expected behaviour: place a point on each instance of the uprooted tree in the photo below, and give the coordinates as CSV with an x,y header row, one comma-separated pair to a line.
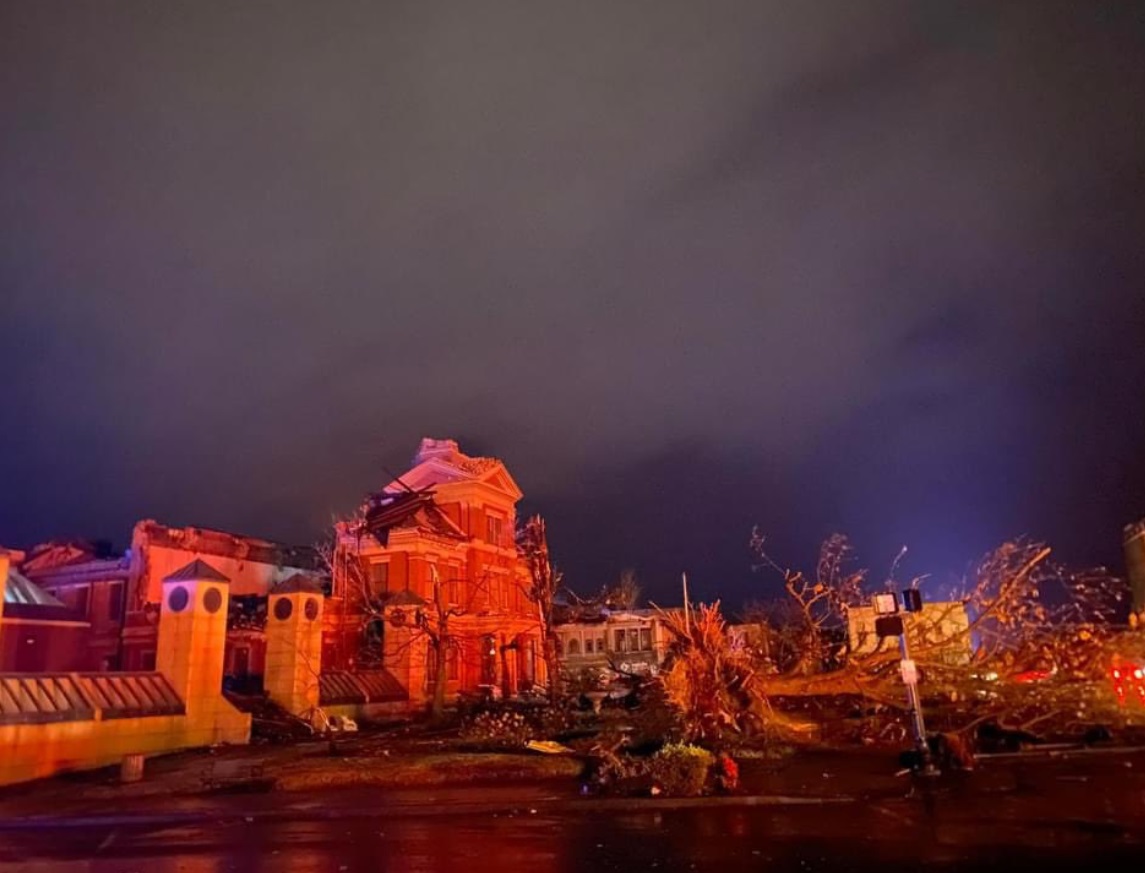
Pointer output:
x,y
1024,639
1023,642
714,686
706,680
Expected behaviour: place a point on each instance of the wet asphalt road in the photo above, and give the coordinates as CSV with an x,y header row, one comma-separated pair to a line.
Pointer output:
x,y
898,835
1087,814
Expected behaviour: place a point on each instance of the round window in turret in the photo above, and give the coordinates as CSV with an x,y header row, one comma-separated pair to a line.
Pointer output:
x,y
212,600
283,608
178,599
311,608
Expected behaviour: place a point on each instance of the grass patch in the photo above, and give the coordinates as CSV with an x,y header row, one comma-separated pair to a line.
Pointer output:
x,y
436,769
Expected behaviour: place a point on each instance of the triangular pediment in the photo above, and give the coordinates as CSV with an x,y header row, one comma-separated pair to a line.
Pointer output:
x,y
445,465
499,478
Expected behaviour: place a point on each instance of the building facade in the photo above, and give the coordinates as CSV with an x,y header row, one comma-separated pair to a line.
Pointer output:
x,y
631,641
939,633
118,596
38,633
433,555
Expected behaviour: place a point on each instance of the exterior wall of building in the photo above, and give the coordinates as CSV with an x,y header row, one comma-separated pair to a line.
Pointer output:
x,y
156,562
495,633
119,596
942,630
752,636
96,590
634,641
37,632
43,647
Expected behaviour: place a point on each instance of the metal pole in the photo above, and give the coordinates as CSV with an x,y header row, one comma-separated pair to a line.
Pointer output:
x,y
915,703
687,606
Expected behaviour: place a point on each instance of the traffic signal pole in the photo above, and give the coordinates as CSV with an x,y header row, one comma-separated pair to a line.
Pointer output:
x,y
914,701
889,623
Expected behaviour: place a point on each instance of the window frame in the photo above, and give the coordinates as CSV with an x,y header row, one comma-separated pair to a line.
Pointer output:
x,y
117,598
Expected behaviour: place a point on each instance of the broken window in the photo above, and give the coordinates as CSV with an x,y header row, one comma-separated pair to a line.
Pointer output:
x,y
115,602
373,638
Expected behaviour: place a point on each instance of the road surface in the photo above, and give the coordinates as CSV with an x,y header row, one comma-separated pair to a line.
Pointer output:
x,y
1070,815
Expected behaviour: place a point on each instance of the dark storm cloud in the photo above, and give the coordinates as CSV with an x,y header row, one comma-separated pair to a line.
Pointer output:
x,y
684,266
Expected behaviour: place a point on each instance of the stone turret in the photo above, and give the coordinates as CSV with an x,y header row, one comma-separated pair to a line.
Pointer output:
x,y
431,448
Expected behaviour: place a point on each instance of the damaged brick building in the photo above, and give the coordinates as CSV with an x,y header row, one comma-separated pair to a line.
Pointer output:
x,y
437,542
448,521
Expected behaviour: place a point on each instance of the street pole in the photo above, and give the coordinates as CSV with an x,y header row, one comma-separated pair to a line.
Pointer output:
x,y
910,679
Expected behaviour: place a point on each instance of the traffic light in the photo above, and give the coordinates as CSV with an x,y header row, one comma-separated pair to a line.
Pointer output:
x,y
888,626
885,604
912,600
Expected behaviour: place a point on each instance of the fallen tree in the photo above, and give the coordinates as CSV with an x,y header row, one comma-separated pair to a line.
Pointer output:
x,y
1033,647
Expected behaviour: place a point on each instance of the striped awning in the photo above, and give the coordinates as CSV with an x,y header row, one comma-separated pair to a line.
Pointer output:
x,y
368,686
37,698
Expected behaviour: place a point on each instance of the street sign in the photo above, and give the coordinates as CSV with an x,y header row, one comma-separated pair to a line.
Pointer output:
x,y
912,600
885,604
888,626
909,671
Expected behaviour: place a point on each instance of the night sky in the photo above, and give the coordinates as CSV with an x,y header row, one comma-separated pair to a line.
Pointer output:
x,y
685,266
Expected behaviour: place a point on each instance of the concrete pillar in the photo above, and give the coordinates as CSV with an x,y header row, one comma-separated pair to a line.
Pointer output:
x,y
294,644
193,637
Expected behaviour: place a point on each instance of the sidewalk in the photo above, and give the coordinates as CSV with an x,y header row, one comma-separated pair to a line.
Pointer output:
x,y
812,779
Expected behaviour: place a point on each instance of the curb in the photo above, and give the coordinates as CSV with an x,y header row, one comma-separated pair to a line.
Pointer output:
x,y
578,805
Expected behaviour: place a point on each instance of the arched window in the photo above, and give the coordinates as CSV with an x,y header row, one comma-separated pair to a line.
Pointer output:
x,y
373,643
574,646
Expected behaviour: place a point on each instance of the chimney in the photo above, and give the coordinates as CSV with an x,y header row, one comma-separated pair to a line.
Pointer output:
x,y
431,448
